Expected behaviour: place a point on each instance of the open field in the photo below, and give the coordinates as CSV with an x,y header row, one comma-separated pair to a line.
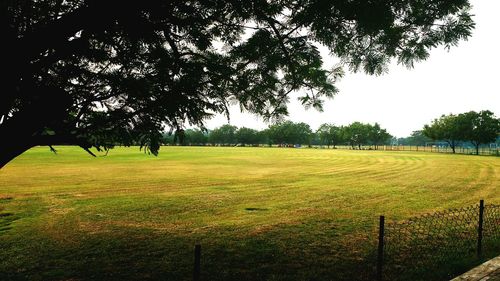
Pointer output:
x,y
259,213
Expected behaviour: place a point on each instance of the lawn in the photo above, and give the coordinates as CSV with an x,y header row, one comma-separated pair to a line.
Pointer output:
x,y
259,213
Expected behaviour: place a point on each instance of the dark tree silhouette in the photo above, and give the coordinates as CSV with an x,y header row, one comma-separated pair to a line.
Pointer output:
x,y
93,73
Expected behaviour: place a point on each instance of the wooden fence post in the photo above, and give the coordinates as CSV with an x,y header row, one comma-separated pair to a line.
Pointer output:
x,y
197,258
380,256
480,230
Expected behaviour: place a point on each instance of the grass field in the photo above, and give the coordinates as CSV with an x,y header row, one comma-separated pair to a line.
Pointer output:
x,y
259,213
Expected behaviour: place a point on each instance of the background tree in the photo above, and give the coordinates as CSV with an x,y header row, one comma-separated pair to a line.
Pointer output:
x,y
314,139
323,134
330,135
337,135
168,138
449,128
179,137
357,134
480,127
264,137
289,132
81,70
377,135
416,138
224,135
195,137
247,136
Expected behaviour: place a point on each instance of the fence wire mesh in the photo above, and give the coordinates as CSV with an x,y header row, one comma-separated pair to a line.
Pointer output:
x,y
491,229
428,242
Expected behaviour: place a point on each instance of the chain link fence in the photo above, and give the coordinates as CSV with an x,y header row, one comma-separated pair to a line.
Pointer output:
x,y
484,150
491,230
449,241
437,246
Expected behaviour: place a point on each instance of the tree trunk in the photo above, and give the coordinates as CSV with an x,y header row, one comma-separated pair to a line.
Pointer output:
x,y
452,145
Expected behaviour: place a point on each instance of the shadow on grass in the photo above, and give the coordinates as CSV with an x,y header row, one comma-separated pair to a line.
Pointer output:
x,y
283,252
256,209
135,254
6,218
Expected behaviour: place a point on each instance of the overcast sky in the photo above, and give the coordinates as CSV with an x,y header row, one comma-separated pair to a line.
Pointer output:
x,y
462,79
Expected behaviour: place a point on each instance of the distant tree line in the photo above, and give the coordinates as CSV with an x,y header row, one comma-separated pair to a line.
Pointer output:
x,y
286,133
417,138
356,134
465,129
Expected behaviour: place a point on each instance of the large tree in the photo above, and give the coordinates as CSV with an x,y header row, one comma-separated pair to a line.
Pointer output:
x,y
357,134
448,128
92,73
378,135
480,127
330,134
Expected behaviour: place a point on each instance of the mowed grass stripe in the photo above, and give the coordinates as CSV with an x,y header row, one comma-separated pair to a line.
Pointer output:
x,y
261,213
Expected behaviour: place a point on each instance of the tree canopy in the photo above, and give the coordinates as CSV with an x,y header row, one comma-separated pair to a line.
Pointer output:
x,y
377,135
476,127
289,132
330,134
246,136
356,133
194,136
90,72
480,127
447,128
226,134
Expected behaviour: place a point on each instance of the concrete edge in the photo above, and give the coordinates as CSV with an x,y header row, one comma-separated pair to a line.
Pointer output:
x,y
480,271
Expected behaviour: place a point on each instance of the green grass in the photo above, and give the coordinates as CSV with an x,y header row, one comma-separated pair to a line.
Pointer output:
x,y
259,213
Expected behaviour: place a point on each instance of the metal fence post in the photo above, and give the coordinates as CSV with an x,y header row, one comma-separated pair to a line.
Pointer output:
x,y
480,230
197,258
380,256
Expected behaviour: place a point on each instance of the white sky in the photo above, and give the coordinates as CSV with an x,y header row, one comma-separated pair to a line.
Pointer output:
x,y
462,79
